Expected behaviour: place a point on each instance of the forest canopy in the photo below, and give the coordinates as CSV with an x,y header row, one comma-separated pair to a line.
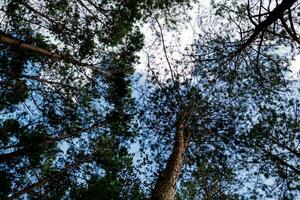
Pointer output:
x,y
103,99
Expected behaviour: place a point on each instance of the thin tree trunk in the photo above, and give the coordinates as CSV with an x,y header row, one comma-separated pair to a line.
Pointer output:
x,y
9,156
43,52
165,187
43,181
23,149
274,15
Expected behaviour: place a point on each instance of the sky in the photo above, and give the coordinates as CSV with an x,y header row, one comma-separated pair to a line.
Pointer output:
x,y
295,67
185,38
187,34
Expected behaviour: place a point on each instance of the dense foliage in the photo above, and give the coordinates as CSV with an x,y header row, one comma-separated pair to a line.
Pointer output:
x,y
66,105
218,122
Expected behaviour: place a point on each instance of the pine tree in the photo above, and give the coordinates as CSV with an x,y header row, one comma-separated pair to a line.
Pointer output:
x,y
206,117
66,106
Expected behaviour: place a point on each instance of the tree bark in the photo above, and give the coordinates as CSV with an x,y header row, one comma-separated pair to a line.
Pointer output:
x,y
165,187
55,56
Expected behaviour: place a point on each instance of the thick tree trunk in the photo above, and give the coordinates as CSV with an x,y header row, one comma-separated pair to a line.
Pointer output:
x,y
165,187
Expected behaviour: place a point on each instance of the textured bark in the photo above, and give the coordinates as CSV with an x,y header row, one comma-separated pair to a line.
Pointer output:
x,y
165,187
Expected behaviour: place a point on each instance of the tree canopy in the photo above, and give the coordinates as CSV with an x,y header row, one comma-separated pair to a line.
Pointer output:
x,y
218,120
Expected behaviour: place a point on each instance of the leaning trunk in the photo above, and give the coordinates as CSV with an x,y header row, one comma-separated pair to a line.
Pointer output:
x,y
165,186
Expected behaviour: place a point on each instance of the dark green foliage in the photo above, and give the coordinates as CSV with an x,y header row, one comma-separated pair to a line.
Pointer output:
x,y
68,118
13,89
5,183
65,126
244,136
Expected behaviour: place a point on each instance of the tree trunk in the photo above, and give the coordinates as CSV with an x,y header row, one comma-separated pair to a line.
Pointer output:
x,y
165,187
